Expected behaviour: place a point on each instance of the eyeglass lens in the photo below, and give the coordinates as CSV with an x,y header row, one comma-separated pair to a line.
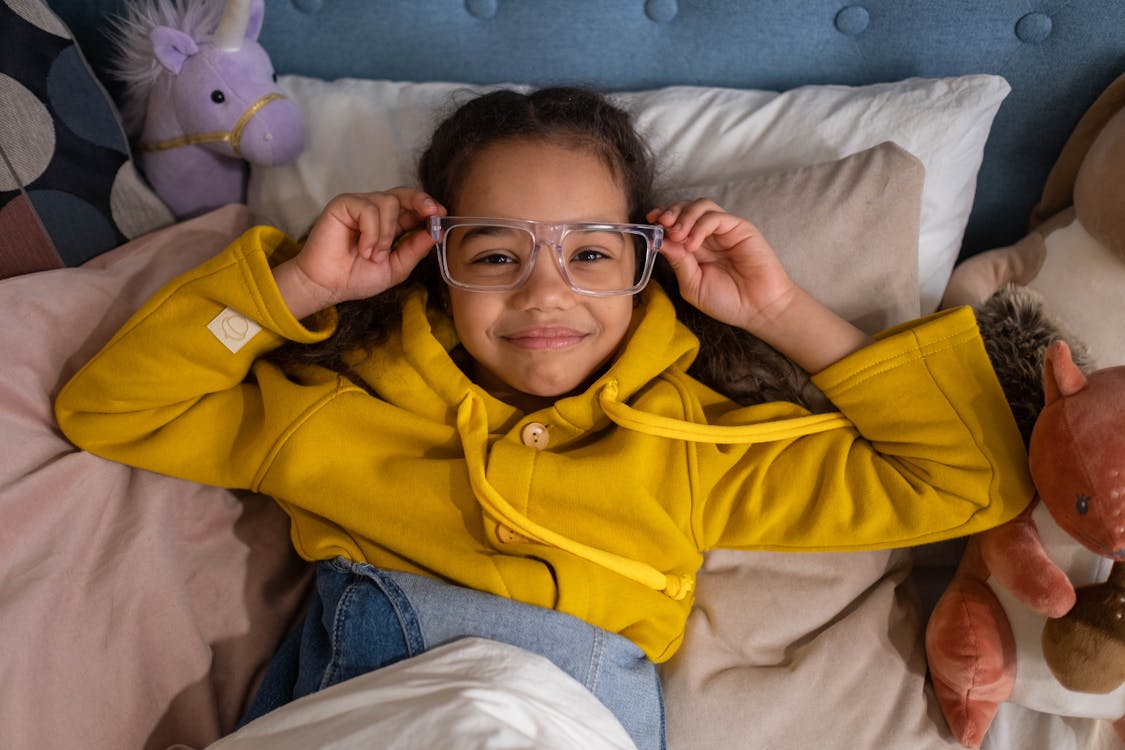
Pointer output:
x,y
499,256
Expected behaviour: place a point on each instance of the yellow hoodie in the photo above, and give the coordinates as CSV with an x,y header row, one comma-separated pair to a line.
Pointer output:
x,y
599,506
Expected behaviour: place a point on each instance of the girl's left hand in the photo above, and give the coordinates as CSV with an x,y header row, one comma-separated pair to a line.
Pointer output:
x,y
723,264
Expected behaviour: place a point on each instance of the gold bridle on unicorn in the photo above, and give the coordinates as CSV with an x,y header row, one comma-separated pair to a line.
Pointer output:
x,y
233,136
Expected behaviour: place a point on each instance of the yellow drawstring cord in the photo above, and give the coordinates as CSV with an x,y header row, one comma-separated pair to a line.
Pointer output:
x,y
761,432
473,427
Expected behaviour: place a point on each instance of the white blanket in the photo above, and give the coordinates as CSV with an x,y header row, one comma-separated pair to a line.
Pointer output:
x,y
469,694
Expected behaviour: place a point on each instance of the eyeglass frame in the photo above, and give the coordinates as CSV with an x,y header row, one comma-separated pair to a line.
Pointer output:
x,y
553,235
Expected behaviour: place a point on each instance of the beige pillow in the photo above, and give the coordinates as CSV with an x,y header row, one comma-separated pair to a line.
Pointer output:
x,y
847,230
816,650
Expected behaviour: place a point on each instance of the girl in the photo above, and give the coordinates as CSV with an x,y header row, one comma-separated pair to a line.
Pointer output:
x,y
478,415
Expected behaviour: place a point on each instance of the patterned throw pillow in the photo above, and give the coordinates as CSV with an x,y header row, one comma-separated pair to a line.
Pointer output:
x,y
68,186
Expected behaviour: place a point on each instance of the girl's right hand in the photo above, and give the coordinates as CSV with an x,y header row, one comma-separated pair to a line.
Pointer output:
x,y
351,253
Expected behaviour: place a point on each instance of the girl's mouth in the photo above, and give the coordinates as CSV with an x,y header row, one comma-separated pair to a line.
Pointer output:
x,y
545,338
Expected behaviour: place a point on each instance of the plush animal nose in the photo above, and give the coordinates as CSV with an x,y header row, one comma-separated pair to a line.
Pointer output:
x,y
274,135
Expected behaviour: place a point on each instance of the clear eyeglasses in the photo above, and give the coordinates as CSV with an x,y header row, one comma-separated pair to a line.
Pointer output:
x,y
496,255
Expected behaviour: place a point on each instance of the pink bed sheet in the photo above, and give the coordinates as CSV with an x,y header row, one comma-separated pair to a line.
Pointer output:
x,y
136,610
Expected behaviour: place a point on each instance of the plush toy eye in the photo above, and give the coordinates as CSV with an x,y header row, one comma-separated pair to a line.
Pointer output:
x,y
1082,505
218,96
275,77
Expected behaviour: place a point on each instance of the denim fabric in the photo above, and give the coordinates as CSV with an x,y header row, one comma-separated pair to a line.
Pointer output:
x,y
361,618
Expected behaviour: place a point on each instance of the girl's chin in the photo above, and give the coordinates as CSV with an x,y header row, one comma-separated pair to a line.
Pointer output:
x,y
539,389
532,396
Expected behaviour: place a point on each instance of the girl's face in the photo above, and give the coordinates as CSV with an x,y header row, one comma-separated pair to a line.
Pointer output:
x,y
542,340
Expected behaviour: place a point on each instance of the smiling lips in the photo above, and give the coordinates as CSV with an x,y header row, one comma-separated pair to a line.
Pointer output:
x,y
545,338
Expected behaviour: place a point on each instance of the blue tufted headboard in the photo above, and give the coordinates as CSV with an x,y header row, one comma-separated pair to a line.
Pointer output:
x,y
1056,54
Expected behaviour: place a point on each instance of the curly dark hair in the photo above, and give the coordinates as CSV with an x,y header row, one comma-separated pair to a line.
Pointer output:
x,y
731,360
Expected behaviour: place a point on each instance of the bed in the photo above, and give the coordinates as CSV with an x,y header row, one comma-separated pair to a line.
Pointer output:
x,y
875,143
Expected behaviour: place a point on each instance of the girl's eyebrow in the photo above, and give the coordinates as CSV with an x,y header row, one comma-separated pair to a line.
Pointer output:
x,y
487,230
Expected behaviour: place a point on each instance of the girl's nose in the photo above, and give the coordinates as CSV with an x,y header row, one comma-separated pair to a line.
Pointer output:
x,y
545,287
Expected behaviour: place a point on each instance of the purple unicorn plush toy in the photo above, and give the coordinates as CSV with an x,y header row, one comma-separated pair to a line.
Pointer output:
x,y
201,100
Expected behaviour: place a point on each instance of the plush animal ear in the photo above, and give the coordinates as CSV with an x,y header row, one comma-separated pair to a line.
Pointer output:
x,y
1061,376
254,25
172,47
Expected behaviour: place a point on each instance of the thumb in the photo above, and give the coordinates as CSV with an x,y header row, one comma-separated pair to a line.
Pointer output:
x,y
676,254
410,249
684,264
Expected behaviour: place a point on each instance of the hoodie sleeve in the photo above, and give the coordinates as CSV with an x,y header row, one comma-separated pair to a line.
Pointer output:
x,y
178,390
932,452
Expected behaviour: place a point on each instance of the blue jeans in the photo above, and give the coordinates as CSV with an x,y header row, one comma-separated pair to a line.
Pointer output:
x,y
361,618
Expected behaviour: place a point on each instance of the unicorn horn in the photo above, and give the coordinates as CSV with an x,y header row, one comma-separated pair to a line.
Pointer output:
x,y
232,29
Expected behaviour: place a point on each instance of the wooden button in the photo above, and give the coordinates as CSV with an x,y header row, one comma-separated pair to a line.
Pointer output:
x,y
535,435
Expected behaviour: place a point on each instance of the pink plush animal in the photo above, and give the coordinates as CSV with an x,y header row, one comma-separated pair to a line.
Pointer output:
x,y
1009,627
201,100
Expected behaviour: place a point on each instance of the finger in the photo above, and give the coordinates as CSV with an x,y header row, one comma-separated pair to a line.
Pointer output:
x,y
726,229
390,210
410,250
693,211
686,269
338,225
415,205
656,214
376,215
676,254
425,206
679,218
666,216
706,225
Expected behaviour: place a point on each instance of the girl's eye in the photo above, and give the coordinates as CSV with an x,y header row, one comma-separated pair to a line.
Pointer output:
x,y
218,96
589,255
495,258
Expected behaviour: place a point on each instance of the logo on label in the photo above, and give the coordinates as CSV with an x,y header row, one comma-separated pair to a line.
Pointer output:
x,y
233,329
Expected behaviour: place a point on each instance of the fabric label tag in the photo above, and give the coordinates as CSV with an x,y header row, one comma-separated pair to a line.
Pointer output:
x,y
233,329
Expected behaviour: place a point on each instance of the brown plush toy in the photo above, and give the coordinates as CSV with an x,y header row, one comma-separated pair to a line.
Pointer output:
x,y
1074,255
991,638
1034,614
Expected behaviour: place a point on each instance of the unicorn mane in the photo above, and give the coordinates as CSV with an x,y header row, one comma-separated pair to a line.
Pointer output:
x,y
133,62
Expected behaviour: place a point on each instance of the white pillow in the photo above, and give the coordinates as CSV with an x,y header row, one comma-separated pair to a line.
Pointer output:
x,y
367,135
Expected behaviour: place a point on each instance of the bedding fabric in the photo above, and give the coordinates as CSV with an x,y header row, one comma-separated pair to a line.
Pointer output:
x,y
367,135
471,693
136,608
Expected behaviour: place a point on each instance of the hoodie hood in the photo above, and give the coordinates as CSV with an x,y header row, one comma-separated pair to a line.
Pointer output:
x,y
414,369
